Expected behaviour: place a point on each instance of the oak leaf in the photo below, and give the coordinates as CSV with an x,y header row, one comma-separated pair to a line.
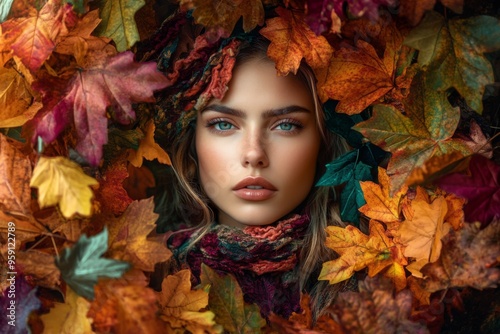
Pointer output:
x,y
128,236
118,83
68,317
62,181
180,306
425,132
32,38
358,251
223,14
225,299
453,50
118,22
149,149
414,10
291,40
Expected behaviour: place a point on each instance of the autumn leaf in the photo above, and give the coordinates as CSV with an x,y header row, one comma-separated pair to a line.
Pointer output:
x,y
358,251
149,149
321,17
128,236
68,317
5,9
425,132
359,8
357,76
291,40
376,308
180,306
32,38
226,301
223,14
414,10
453,50
118,22
118,83
468,258
82,264
62,181
481,189
40,267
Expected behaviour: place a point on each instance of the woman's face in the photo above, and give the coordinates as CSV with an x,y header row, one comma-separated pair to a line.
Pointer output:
x,y
257,148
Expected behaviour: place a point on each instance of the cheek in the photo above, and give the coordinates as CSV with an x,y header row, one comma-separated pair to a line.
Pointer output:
x,y
213,165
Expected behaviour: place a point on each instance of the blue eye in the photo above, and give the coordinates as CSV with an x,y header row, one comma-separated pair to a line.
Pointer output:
x,y
223,126
286,126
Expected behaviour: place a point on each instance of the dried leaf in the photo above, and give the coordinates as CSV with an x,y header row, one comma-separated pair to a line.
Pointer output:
x,y
149,149
414,10
40,267
61,181
112,195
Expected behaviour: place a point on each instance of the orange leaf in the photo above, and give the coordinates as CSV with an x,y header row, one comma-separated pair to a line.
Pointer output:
x,y
291,40
149,149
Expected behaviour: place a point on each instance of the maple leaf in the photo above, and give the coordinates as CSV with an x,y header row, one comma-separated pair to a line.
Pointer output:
x,y
32,38
358,251
149,149
68,317
357,76
62,181
223,14
40,267
291,40
128,236
376,309
118,22
454,51
81,265
226,301
481,189
180,306
414,10
468,259
118,83
15,171
425,132
26,302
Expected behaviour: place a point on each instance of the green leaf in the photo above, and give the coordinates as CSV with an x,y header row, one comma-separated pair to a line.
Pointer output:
x,y
341,124
81,265
118,22
225,299
454,53
78,6
5,6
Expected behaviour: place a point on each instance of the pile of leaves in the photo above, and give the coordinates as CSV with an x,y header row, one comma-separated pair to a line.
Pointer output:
x,y
411,86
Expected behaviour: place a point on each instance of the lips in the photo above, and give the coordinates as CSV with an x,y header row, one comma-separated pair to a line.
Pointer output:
x,y
254,189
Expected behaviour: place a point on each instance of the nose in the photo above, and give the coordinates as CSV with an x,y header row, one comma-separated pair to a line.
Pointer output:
x,y
255,150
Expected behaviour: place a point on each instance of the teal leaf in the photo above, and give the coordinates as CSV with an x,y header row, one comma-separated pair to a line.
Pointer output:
x,y
5,6
78,5
82,264
341,124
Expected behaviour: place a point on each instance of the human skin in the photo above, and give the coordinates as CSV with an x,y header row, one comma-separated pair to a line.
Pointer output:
x,y
264,129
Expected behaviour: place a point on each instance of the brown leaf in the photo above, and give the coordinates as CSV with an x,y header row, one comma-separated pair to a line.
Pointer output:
x,y
39,267
149,149
414,10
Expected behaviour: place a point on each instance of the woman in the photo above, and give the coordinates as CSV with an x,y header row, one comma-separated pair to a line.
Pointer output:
x,y
249,165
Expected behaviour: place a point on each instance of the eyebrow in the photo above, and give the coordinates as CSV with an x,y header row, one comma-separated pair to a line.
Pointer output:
x,y
266,114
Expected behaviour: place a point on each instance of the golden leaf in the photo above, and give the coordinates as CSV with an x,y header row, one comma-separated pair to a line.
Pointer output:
x,y
149,149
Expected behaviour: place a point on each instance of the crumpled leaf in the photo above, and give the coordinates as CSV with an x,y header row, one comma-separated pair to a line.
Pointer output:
x,y
15,171
26,302
414,10
63,182
223,14
453,50
82,264
180,306
377,309
69,317
226,301
118,22
469,258
481,189
425,132
118,84
291,40
128,236
32,38
358,251
149,149
359,76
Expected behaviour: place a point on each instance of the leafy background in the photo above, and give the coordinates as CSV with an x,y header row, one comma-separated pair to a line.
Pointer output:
x,y
411,85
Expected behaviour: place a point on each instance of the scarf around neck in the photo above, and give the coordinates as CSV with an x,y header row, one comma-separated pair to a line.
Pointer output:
x,y
263,260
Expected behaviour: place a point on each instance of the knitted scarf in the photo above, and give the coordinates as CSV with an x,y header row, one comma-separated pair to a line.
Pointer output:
x,y
263,259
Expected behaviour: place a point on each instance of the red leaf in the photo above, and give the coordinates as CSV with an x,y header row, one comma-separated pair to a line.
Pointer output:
x,y
481,189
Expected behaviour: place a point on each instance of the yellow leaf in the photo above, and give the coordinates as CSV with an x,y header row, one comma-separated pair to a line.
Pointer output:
x,y
68,318
180,306
149,149
61,181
